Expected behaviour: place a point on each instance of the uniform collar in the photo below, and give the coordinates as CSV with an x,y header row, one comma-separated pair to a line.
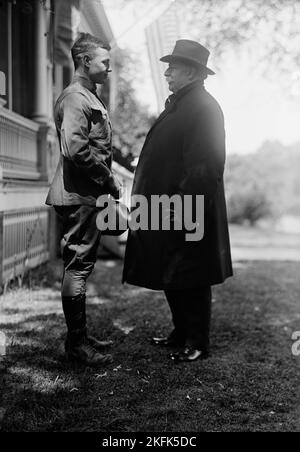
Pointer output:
x,y
85,82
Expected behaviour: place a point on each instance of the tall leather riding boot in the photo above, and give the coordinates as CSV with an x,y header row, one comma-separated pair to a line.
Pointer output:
x,y
75,315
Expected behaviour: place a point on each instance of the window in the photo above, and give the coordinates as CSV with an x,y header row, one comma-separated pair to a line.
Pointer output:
x,y
4,50
22,57
16,54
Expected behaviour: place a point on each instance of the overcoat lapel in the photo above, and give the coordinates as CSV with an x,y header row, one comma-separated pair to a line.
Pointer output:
x,y
169,108
171,104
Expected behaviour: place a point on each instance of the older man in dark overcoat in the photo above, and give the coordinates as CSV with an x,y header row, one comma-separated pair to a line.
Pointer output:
x,y
184,154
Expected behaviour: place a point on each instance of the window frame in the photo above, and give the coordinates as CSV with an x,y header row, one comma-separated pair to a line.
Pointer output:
x,y
9,58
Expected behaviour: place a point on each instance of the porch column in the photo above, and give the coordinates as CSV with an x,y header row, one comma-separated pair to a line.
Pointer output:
x,y
1,249
40,113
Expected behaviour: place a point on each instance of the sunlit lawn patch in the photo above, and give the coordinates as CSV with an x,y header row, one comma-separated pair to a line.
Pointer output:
x,y
250,383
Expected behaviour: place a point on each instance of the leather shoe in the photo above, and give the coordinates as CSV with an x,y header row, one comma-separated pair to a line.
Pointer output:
x,y
166,341
98,345
85,354
189,354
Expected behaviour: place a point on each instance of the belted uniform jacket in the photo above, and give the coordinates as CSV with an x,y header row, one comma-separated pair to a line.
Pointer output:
x,y
184,153
85,139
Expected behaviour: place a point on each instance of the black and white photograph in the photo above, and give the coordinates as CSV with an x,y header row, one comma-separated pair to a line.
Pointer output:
x,y
149,219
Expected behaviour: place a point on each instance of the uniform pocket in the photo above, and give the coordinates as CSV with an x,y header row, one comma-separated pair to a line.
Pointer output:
x,y
99,114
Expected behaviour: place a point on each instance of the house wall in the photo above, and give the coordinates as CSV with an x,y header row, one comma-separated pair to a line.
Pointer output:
x,y
29,85
27,139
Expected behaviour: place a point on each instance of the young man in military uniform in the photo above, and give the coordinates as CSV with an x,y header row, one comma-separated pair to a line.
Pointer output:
x,y
83,174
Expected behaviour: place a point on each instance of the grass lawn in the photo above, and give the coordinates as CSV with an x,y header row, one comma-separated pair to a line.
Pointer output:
x,y
250,383
255,243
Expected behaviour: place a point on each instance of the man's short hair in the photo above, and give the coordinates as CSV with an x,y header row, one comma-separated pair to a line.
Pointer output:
x,y
84,44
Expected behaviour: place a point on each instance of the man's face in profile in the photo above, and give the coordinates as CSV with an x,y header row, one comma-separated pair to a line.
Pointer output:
x,y
177,76
99,61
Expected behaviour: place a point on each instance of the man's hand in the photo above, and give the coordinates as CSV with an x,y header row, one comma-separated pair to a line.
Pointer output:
x,y
114,187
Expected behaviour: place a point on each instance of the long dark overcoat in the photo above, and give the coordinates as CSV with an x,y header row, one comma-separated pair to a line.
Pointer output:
x,y
184,153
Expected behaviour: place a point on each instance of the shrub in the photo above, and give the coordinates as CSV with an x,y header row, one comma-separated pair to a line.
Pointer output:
x,y
248,204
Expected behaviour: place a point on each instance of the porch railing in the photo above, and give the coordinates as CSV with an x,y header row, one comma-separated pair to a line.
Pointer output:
x,y
19,157
24,241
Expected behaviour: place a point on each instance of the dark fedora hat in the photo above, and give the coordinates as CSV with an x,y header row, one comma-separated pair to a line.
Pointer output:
x,y
190,52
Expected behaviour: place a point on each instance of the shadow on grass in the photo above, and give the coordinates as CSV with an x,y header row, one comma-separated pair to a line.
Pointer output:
x,y
249,384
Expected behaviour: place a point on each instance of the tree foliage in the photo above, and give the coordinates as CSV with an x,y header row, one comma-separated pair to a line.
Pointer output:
x,y
268,30
131,119
264,184
234,22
